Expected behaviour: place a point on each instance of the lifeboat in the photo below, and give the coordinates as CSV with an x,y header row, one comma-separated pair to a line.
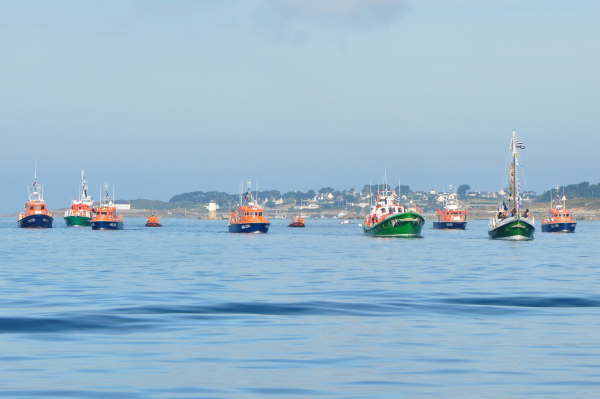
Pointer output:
x,y
153,221
249,217
451,217
560,219
105,216
298,221
388,218
36,214
80,213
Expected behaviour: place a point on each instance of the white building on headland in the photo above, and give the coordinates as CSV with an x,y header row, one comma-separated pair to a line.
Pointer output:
x,y
121,205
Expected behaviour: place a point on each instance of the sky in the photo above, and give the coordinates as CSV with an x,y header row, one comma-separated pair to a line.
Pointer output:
x,y
158,98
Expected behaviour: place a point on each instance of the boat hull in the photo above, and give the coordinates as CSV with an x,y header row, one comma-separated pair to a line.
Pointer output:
x,y
80,221
450,225
36,222
562,227
515,230
407,224
296,224
250,227
106,225
153,225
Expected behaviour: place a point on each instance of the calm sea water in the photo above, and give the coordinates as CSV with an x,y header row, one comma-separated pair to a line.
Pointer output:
x,y
191,311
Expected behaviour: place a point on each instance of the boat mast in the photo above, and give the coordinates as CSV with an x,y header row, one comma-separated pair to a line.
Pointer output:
x,y
514,168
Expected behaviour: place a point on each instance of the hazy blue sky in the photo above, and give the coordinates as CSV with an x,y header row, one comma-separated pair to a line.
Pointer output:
x,y
164,97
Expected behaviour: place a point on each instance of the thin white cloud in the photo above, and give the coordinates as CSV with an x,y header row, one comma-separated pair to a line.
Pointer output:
x,y
356,14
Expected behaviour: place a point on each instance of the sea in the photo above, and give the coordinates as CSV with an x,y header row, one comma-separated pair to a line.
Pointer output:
x,y
191,311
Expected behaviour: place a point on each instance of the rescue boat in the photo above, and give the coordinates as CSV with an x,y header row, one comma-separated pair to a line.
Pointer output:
x,y
36,213
514,224
105,216
298,221
249,217
560,219
80,213
388,218
153,221
452,217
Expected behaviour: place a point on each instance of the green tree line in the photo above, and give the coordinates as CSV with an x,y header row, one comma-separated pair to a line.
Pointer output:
x,y
580,190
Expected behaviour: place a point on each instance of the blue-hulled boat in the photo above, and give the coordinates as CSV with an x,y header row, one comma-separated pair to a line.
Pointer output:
x,y
249,217
36,213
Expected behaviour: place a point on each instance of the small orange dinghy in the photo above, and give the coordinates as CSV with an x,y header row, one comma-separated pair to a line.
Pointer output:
x,y
298,221
153,221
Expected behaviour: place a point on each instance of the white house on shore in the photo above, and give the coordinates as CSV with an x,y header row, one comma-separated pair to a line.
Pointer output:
x,y
121,205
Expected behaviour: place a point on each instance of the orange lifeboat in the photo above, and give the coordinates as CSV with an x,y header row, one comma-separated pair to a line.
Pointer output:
x,y
249,217
36,213
105,217
298,221
560,219
153,221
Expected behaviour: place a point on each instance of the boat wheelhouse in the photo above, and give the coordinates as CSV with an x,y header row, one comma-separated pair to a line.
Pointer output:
x,y
451,217
560,219
105,216
80,213
510,223
36,214
249,217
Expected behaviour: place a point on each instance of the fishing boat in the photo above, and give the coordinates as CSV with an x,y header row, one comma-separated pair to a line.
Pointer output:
x,y
388,218
451,217
510,223
560,219
297,221
153,221
249,217
105,216
80,213
36,213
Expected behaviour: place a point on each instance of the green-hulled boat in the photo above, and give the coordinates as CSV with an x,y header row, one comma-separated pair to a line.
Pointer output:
x,y
81,212
390,219
513,228
513,225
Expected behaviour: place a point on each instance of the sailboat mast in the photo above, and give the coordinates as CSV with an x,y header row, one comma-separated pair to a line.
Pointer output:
x,y
514,167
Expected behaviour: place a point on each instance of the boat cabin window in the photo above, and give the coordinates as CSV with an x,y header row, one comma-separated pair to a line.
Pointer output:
x,y
42,206
259,213
104,213
245,213
31,208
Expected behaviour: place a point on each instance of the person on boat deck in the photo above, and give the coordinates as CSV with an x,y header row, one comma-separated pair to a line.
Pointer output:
x,y
526,214
391,210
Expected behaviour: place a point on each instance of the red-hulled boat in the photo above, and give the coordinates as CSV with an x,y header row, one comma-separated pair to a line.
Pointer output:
x,y
153,221
298,221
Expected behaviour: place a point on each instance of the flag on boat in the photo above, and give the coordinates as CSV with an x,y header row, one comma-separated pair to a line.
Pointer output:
x,y
520,145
